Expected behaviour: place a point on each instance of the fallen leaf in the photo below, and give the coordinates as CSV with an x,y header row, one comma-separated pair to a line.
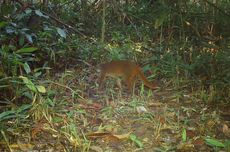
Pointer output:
x,y
25,146
97,105
226,130
198,142
170,114
155,104
37,128
191,133
141,109
162,119
95,121
210,124
123,136
96,148
185,147
108,136
20,146
98,134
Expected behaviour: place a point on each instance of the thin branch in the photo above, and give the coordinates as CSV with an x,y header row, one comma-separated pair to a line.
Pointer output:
x,y
66,25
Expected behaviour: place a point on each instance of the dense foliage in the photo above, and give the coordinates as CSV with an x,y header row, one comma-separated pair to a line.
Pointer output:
x,y
186,39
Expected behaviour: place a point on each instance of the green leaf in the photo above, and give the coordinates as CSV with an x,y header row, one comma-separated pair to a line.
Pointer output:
x,y
184,136
29,38
15,113
28,11
61,32
136,140
7,114
41,89
21,40
27,50
3,24
28,94
214,142
50,102
26,67
227,145
39,13
29,84
24,107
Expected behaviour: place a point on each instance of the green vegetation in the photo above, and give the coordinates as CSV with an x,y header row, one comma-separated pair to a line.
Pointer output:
x,y
49,97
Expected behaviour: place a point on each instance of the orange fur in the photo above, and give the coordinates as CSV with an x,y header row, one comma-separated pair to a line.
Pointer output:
x,y
125,69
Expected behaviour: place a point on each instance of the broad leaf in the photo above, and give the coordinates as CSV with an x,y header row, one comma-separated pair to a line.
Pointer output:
x,y
29,84
39,13
26,68
214,142
41,89
61,32
27,50
28,11
29,38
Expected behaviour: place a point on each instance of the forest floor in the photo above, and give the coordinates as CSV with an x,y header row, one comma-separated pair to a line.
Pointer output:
x,y
165,119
